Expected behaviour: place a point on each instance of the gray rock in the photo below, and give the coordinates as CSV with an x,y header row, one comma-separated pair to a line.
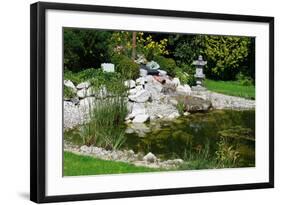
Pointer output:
x,y
143,72
141,81
140,118
149,79
176,81
140,96
195,104
70,84
87,102
154,89
183,90
162,72
150,158
90,92
82,93
86,149
138,109
153,65
83,85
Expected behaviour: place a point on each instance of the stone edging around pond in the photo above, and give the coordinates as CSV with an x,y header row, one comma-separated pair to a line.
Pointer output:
x,y
127,156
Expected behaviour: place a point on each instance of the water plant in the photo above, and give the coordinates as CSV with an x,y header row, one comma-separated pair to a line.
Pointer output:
x,y
105,127
226,155
180,107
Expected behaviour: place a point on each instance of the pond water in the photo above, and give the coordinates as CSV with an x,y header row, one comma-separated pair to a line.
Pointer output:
x,y
198,134
194,136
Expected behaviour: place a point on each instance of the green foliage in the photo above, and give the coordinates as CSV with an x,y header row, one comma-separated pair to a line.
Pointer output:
x,y
225,54
85,48
125,66
244,80
113,82
180,107
226,155
76,165
73,77
233,88
68,92
186,74
188,48
105,128
167,64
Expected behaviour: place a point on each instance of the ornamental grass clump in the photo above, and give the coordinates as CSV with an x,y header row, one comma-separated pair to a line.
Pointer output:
x,y
106,125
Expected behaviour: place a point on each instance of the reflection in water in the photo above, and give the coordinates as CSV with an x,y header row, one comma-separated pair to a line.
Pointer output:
x,y
216,133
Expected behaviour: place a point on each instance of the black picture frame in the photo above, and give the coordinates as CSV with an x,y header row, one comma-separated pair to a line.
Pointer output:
x,y
38,101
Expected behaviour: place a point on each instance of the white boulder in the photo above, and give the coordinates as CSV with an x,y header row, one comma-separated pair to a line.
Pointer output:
x,y
90,92
183,89
69,83
82,93
141,118
140,96
87,102
150,158
143,72
162,72
176,81
107,67
83,85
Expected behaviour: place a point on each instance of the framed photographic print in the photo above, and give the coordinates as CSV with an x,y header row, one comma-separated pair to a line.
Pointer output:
x,y
129,102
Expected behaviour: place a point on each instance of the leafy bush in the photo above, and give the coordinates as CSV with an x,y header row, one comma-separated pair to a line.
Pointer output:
x,y
225,54
186,74
244,80
113,82
125,66
85,48
167,64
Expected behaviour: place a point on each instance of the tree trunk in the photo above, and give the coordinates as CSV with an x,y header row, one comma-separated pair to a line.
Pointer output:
x,y
134,45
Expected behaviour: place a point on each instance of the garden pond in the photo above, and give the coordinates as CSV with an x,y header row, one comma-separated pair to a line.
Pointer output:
x,y
207,136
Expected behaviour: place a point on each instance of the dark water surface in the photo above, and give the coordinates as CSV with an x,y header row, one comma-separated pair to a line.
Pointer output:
x,y
199,133
195,135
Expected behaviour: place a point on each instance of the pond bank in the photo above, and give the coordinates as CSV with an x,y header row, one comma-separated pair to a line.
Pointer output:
x,y
128,156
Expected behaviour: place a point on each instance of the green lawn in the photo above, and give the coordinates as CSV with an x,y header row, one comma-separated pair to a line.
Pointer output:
x,y
233,88
75,165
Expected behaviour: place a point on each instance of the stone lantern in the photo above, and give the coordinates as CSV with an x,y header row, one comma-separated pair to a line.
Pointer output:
x,y
199,75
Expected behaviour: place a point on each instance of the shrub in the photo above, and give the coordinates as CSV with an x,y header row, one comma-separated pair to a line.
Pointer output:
x,y
167,64
68,92
73,77
244,80
125,66
186,74
85,48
